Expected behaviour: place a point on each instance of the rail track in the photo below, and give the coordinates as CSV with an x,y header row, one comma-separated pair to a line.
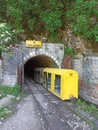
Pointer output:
x,y
55,113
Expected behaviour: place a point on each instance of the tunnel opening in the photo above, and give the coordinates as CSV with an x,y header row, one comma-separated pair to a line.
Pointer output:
x,y
38,61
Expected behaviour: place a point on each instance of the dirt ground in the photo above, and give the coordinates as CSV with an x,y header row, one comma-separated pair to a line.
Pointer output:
x,y
26,117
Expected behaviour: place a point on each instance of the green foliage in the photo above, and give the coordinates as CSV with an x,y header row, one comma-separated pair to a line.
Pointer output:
x,y
5,33
15,90
15,13
7,36
84,18
52,20
23,14
5,112
2,9
52,16
7,90
69,51
26,14
89,108
31,23
36,16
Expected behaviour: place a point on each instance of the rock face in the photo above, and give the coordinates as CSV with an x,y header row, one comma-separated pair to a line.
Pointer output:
x,y
75,42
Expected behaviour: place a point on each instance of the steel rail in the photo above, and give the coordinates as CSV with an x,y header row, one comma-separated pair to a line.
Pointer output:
x,y
74,112
60,114
68,127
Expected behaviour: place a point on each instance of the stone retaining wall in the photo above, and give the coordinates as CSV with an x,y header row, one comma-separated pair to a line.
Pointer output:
x,y
0,71
86,64
9,69
88,77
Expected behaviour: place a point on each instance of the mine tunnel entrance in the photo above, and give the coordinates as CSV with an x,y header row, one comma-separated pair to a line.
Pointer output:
x,y
38,61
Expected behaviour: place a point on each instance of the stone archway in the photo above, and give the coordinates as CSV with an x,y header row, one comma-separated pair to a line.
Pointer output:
x,y
32,54
20,55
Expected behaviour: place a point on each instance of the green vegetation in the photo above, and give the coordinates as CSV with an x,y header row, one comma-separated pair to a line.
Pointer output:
x,y
7,90
52,16
69,51
87,107
7,36
15,90
37,17
5,112
83,16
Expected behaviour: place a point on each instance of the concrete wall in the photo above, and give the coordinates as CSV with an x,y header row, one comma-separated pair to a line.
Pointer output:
x,y
88,77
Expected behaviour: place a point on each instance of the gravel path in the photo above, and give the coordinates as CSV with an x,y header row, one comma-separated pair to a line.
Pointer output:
x,y
27,117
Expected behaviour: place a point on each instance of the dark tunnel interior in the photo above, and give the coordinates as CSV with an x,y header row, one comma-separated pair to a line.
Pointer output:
x,y
38,61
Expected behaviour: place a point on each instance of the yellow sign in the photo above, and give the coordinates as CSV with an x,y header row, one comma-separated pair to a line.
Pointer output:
x,y
33,44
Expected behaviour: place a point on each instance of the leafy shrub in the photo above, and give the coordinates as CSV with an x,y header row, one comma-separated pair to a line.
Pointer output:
x,y
69,51
7,36
84,18
37,16
52,20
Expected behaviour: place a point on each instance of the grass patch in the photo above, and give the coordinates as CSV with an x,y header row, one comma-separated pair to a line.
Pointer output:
x,y
89,108
7,90
5,112
15,90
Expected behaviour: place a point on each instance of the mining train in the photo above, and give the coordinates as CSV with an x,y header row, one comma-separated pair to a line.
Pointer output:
x,y
61,82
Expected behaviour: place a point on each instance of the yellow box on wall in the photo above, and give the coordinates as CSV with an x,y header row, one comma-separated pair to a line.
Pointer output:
x,y
33,44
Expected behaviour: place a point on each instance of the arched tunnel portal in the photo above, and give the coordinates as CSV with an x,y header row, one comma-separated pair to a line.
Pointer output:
x,y
24,59
39,61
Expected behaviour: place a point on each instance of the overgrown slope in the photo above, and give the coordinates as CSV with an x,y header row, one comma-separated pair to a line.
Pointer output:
x,y
46,18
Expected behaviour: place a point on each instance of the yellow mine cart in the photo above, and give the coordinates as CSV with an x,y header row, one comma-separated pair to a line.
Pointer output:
x,y
33,44
61,82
